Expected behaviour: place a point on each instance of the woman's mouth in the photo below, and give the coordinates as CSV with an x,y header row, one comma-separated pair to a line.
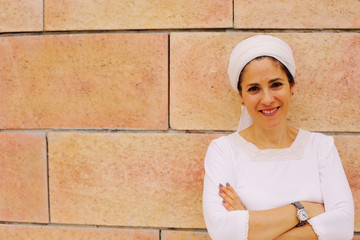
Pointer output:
x,y
269,112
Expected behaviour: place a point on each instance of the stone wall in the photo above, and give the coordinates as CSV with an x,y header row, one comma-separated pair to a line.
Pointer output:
x,y
107,107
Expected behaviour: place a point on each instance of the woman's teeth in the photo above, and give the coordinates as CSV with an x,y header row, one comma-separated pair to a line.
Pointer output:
x,y
268,112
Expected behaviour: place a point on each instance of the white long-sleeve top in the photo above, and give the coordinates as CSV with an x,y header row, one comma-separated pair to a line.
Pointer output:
x,y
309,170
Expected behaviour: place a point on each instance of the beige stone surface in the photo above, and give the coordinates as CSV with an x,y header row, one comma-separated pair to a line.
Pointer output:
x,y
143,14
200,93
306,14
150,180
181,235
23,178
84,81
349,151
327,89
20,232
21,15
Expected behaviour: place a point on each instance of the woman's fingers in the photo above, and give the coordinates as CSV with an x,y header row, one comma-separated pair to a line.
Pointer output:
x,y
231,192
223,193
231,200
228,190
227,206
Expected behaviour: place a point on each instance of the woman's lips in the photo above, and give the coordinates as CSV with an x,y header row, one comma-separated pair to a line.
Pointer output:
x,y
269,112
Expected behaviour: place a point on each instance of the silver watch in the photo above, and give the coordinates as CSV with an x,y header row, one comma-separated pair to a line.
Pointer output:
x,y
302,214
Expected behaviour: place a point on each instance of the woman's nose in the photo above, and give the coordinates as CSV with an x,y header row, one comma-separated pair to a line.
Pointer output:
x,y
267,98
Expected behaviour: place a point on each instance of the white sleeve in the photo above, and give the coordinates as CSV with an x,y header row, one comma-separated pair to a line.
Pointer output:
x,y
337,222
221,224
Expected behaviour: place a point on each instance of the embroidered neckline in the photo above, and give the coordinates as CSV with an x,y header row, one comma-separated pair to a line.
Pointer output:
x,y
295,151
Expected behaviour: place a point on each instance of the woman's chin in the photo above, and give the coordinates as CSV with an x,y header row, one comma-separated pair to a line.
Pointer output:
x,y
272,125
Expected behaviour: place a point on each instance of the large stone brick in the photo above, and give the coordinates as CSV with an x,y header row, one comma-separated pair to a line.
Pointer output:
x,y
297,14
181,235
151,180
200,95
328,81
21,15
23,178
144,14
84,81
349,151
19,232
327,90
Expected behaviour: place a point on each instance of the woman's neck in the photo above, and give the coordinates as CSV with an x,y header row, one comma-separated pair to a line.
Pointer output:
x,y
281,137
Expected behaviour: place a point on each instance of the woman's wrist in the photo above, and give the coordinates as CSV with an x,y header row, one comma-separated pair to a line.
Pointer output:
x,y
313,209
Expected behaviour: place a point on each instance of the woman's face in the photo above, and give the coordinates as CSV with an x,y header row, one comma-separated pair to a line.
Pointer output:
x,y
266,92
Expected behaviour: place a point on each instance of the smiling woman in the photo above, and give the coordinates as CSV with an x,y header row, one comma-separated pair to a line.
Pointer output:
x,y
266,92
270,180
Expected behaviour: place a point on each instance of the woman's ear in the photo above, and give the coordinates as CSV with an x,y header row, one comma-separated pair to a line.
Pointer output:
x,y
292,88
241,98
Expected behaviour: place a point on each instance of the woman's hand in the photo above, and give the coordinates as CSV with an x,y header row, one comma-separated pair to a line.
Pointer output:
x,y
231,200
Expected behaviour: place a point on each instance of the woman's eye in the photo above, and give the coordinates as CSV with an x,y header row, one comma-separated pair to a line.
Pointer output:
x,y
276,84
253,89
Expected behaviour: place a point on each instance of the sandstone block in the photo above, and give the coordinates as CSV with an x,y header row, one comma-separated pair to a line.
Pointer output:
x,y
84,81
180,235
297,14
16,232
327,89
23,178
150,180
21,15
349,151
144,14
200,94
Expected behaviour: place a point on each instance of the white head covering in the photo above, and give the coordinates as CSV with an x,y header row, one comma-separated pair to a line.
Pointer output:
x,y
251,48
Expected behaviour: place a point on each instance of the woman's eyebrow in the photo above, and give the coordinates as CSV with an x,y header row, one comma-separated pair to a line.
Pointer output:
x,y
276,79
252,84
270,81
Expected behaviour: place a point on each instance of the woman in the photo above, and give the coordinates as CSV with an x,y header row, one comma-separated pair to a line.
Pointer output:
x,y
270,180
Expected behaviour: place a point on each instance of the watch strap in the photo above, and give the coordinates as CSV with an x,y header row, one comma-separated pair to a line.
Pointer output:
x,y
301,223
298,205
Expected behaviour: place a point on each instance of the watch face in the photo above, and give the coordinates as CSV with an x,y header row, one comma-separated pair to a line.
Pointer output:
x,y
302,215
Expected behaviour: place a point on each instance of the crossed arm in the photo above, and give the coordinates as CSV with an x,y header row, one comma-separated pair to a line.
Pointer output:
x,y
278,223
233,221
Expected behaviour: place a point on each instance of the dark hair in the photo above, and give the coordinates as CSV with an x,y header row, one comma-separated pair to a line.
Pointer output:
x,y
287,72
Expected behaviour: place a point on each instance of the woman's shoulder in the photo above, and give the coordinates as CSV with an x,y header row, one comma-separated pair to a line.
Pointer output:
x,y
320,138
224,144
223,141
320,141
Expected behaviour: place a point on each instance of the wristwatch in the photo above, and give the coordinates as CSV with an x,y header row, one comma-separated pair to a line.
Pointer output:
x,y
302,214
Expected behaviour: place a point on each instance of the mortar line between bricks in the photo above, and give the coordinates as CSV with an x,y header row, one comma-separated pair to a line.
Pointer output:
x,y
184,30
124,131
43,15
145,131
233,13
356,233
169,42
48,173
92,226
